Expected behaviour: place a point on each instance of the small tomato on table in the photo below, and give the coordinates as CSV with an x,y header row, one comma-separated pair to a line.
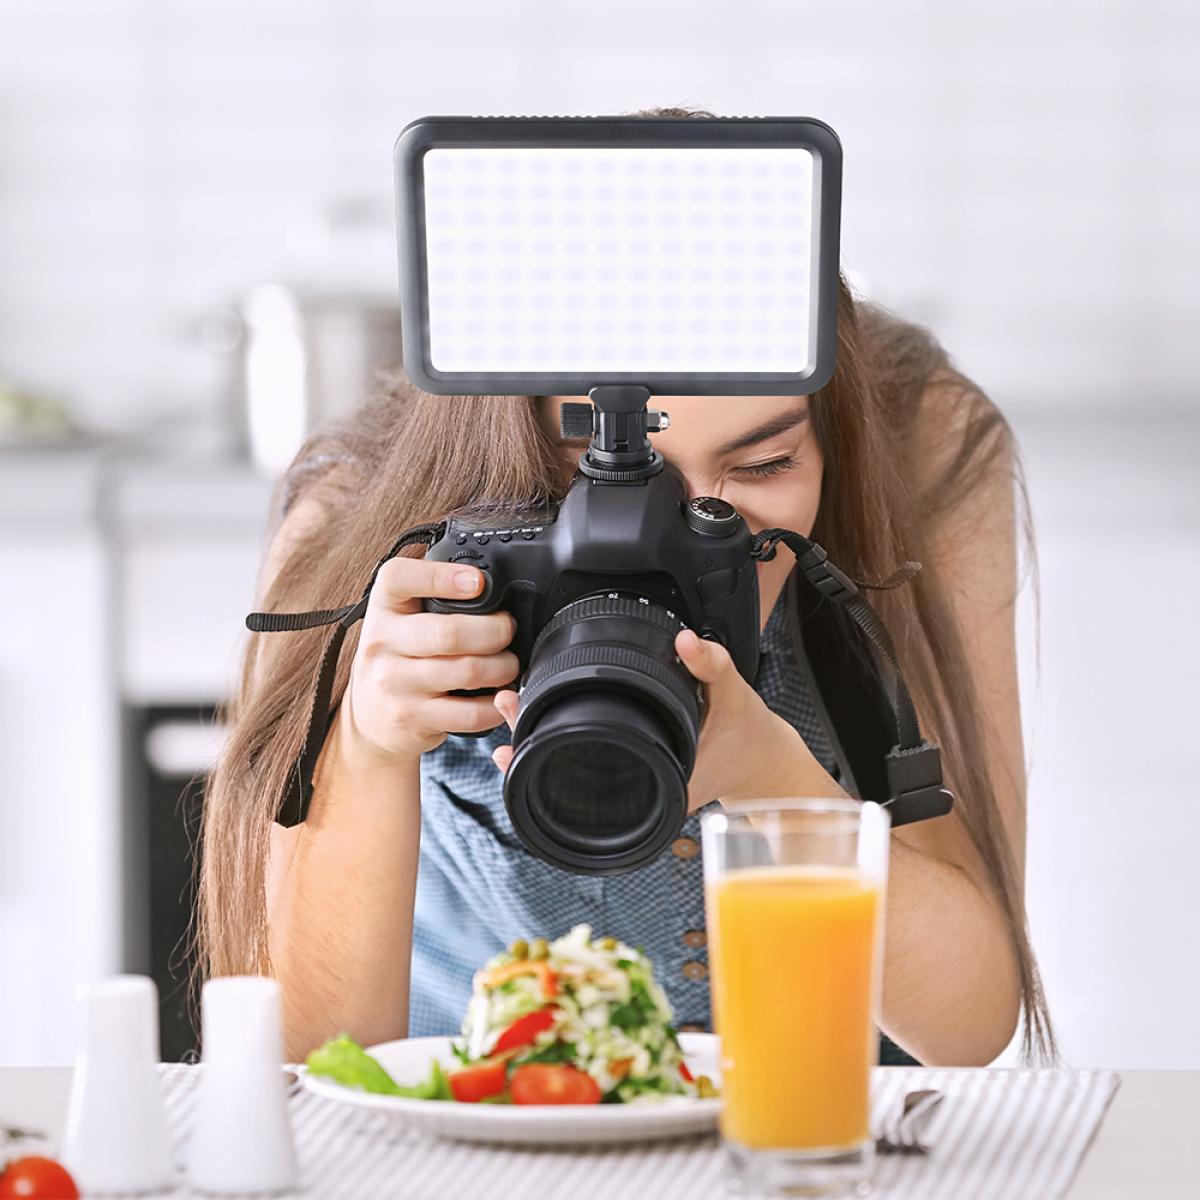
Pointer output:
x,y
37,1178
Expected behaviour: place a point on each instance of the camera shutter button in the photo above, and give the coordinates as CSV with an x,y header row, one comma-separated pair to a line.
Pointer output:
x,y
472,558
469,558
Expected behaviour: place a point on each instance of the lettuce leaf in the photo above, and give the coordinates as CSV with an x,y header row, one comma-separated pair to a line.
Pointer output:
x,y
553,1052
343,1060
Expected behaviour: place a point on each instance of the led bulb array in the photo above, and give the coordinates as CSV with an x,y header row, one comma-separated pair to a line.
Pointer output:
x,y
604,259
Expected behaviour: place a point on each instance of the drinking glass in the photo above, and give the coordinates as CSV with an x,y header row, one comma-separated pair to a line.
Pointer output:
x,y
794,893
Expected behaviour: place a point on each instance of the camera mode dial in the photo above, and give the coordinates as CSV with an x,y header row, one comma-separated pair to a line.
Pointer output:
x,y
711,515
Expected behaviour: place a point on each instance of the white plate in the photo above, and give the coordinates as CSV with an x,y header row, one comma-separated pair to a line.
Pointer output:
x,y
408,1061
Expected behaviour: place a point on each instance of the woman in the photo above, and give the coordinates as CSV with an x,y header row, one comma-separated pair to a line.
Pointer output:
x,y
898,457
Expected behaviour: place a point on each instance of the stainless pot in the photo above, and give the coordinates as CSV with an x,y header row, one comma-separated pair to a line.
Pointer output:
x,y
297,358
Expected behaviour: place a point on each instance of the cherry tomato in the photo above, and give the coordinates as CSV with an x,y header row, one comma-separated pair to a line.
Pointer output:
x,y
553,1083
486,1078
687,1075
524,1029
37,1178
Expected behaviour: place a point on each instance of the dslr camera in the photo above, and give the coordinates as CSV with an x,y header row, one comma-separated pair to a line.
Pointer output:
x,y
599,585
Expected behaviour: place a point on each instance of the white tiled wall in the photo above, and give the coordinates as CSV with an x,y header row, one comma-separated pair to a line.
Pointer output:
x,y
1022,173
1109,712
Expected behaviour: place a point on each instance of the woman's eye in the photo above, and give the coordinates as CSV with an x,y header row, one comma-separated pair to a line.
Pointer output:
x,y
761,470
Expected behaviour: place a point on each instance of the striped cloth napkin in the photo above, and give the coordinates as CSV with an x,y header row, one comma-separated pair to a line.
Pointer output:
x,y
998,1135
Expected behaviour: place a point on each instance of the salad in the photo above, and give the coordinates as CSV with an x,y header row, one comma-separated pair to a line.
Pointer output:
x,y
572,1021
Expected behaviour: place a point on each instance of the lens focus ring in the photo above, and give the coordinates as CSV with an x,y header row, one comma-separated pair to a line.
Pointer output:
x,y
613,605
605,654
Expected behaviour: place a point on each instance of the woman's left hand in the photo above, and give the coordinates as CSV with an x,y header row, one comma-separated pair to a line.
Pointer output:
x,y
745,750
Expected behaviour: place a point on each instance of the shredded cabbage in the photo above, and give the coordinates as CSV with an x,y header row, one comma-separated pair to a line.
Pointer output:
x,y
611,1018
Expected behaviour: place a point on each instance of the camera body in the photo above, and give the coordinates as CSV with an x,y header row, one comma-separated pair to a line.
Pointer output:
x,y
647,540
609,719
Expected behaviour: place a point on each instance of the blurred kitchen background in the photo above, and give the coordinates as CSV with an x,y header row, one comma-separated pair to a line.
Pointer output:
x,y
196,202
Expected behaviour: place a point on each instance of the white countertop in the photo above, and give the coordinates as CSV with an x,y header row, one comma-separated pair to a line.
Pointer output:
x,y
1143,1148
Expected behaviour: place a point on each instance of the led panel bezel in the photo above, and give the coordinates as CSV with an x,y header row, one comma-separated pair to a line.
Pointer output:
x,y
428,133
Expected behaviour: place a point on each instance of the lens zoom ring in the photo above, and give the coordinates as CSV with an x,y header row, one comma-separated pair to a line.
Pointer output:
x,y
621,606
606,654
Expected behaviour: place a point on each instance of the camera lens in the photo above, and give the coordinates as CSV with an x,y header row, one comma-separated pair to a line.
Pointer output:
x,y
605,739
576,808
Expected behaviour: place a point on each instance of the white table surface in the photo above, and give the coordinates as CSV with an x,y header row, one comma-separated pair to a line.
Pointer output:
x,y
1145,1146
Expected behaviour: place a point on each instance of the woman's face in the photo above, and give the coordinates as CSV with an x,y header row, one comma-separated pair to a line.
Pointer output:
x,y
758,452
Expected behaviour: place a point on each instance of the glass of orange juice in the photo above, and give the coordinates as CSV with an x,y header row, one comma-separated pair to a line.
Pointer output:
x,y
794,892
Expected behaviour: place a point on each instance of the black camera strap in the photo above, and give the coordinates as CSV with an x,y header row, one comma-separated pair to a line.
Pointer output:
x,y
914,765
293,807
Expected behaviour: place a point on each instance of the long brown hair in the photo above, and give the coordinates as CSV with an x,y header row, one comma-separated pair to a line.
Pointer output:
x,y
406,457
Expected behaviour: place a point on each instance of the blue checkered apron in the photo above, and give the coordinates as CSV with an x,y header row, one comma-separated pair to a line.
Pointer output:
x,y
478,888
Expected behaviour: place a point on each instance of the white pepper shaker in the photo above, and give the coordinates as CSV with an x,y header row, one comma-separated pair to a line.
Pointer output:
x,y
116,1134
241,1138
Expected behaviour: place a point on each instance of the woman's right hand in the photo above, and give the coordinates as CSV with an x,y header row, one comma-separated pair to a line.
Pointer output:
x,y
396,706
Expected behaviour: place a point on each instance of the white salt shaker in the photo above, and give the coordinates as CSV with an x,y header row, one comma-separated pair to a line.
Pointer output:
x,y
241,1137
116,1135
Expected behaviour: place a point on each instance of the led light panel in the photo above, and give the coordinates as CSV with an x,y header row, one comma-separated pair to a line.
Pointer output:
x,y
620,259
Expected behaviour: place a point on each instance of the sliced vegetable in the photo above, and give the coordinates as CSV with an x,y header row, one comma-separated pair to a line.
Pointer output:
x,y
683,1070
506,971
620,1068
552,1083
436,1087
485,1079
524,1030
552,1052
345,1061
